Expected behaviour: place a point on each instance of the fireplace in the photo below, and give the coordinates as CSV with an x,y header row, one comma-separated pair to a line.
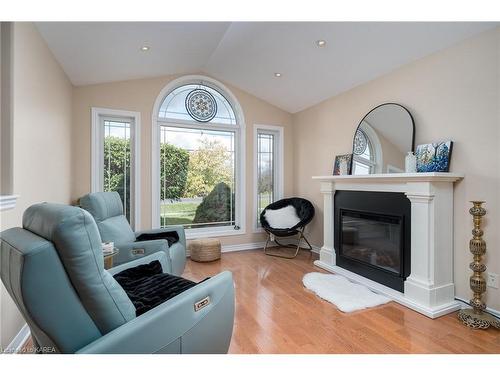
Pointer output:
x,y
425,202
373,235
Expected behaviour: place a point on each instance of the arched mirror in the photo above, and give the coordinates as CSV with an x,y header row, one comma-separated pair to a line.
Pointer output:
x,y
382,140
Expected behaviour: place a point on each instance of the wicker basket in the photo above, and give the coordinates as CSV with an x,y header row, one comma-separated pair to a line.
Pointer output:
x,y
205,250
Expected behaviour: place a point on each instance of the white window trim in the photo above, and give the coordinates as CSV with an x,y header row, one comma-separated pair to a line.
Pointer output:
x,y
8,202
240,204
97,155
279,171
372,165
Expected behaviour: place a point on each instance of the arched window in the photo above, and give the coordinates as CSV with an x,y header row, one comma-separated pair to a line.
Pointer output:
x,y
198,147
197,102
367,151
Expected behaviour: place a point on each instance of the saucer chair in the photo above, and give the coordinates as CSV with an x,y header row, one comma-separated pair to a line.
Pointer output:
x,y
285,218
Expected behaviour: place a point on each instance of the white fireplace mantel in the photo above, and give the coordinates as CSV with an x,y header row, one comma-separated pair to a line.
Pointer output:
x,y
430,288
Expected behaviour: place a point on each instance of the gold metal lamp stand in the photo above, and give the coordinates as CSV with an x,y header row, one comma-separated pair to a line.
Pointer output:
x,y
476,317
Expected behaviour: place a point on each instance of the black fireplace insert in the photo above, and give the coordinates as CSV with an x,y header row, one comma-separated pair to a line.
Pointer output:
x,y
372,235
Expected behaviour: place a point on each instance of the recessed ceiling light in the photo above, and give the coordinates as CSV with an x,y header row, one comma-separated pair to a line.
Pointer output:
x,y
277,75
321,43
145,48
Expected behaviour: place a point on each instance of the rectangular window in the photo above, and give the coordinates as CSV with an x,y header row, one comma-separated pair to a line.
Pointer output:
x,y
197,177
269,167
115,153
117,168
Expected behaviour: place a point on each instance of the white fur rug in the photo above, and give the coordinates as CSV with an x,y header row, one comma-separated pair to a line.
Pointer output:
x,y
347,296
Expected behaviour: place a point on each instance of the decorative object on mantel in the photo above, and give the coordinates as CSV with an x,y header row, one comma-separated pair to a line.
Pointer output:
x,y
476,317
343,165
434,157
344,294
410,162
382,139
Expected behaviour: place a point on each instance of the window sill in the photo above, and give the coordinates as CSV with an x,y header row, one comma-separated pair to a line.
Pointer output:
x,y
196,233
8,202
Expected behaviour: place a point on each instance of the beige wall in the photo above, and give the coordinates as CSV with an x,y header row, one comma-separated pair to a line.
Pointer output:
x,y
140,95
41,140
451,94
391,154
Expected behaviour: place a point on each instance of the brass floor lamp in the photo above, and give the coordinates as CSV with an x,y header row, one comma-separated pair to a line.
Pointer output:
x,y
477,317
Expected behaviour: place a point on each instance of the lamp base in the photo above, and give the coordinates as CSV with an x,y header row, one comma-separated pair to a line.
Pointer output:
x,y
474,320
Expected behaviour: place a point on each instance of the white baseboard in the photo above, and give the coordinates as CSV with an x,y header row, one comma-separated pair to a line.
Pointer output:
x,y
255,245
240,247
245,246
17,343
252,246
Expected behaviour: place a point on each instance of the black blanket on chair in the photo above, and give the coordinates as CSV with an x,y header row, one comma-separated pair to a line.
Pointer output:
x,y
171,237
147,286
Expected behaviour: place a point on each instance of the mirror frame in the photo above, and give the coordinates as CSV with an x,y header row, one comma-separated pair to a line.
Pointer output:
x,y
378,106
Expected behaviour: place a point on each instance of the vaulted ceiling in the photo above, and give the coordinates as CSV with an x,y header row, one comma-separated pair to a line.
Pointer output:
x,y
248,54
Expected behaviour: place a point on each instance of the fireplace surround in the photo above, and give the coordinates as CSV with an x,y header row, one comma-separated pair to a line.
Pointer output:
x,y
429,288
372,235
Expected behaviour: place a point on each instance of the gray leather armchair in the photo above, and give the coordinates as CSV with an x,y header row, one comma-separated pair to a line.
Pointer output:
x,y
107,210
53,269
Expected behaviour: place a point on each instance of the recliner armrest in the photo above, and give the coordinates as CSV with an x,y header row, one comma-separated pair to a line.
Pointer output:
x,y
177,251
159,256
175,326
135,250
177,228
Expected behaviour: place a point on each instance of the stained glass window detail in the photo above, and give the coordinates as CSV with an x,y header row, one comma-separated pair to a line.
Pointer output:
x,y
197,102
363,162
201,105
360,142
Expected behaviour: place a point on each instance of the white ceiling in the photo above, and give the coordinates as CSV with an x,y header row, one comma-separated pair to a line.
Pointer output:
x,y
247,54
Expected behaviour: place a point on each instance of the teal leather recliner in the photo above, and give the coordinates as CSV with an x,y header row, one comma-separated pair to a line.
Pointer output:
x,y
107,210
53,269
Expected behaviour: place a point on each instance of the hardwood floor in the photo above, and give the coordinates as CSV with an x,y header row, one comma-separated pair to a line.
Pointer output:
x,y
276,314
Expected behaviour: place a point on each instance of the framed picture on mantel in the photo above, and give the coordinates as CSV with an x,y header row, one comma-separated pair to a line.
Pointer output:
x,y
434,157
342,165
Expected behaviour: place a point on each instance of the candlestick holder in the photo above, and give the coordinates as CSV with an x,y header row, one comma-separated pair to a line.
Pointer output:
x,y
477,317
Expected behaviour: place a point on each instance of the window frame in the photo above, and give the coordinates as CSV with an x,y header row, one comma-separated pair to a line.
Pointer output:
x,y
370,163
98,115
278,158
238,128
376,163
